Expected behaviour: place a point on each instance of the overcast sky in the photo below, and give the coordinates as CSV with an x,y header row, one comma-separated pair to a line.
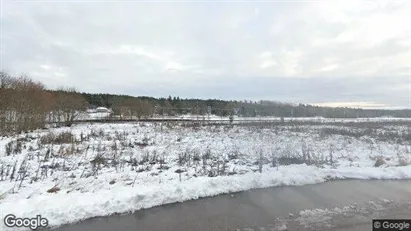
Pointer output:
x,y
327,52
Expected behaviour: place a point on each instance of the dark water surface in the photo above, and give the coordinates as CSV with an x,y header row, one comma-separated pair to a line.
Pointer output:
x,y
254,208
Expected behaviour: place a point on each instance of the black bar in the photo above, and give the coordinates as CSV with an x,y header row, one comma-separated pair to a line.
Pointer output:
x,y
391,224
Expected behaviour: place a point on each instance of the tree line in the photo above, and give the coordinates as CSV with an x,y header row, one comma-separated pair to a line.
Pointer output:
x,y
27,105
178,106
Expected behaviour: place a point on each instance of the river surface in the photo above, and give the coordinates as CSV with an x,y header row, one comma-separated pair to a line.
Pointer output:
x,y
347,205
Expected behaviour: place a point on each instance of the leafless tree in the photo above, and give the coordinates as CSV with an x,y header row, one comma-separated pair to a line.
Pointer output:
x,y
68,105
23,104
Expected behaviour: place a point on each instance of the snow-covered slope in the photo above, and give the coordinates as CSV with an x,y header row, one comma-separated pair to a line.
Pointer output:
x,y
100,169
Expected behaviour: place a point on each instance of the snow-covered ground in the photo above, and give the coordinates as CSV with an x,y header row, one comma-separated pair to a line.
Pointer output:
x,y
88,170
275,118
98,115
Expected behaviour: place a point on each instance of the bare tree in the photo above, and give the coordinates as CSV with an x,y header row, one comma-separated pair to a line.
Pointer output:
x,y
132,108
5,95
23,104
168,108
143,109
68,105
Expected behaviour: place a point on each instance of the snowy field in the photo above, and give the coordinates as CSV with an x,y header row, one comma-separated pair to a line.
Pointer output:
x,y
238,119
95,115
89,170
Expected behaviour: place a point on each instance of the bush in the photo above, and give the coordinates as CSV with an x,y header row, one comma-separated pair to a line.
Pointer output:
x,y
403,162
379,162
62,138
14,147
289,160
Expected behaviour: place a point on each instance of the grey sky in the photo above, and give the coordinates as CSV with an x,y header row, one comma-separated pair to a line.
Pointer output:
x,y
354,52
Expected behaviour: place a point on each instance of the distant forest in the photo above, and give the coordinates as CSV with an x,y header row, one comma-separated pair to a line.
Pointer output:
x,y
177,105
27,105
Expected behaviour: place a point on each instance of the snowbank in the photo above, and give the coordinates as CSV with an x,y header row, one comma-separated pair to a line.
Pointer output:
x,y
62,208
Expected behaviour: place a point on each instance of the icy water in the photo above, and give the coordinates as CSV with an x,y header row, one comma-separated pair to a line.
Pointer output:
x,y
337,205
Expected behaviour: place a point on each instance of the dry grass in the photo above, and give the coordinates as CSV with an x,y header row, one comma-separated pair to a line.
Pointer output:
x,y
55,189
379,162
97,149
373,132
62,138
403,162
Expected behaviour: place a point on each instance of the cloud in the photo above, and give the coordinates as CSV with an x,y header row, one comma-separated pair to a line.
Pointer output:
x,y
320,52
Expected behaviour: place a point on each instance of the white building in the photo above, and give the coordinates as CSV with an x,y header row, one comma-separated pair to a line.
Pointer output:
x,y
103,109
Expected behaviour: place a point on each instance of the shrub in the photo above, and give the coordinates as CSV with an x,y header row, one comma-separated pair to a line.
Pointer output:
x,y
55,189
379,162
14,147
403,162
62,138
